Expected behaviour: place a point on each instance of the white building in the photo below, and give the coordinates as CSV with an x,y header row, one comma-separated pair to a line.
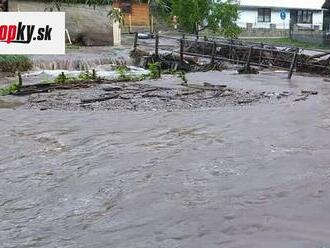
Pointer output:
x,y
277,14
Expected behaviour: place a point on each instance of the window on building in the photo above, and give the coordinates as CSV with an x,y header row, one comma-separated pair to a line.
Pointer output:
x,y
3,5
125,6
305,16
264,15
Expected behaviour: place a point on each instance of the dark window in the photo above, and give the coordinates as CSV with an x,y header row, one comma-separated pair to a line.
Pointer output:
x,y
305,16
264,15
126,6
3,5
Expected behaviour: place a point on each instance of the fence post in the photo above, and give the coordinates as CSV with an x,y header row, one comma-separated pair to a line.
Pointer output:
x,y
156,46
249,58
293,63
214,49
260,54
135,41
231,49
181,50
20,80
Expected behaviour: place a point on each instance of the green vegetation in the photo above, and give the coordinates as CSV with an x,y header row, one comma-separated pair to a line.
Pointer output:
x,y
155,70
72,46
14,63
122,73
62,78
86,75
289,42
182,76
10,89
197,15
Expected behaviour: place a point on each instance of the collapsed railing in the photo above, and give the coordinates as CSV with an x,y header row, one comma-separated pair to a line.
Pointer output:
x,y
240,52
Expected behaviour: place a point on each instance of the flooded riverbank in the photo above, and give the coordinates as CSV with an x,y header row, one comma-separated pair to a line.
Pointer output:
x,y
236,176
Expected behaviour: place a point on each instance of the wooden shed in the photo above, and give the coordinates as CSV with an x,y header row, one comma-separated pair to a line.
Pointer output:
x,y
136,13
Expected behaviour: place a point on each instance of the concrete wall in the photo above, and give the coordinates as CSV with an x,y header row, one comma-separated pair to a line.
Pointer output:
x,y
264,32
86,25
250,15
311,36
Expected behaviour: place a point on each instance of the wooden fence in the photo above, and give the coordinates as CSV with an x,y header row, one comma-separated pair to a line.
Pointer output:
x,y
239,52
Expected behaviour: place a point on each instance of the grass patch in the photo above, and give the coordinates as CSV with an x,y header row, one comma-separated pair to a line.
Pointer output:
x,y
14,63
288,42
62,78
86,75
10,89
122,72
72,46
123,75
155,70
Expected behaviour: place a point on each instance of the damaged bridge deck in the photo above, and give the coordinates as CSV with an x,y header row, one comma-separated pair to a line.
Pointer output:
x,y
187,49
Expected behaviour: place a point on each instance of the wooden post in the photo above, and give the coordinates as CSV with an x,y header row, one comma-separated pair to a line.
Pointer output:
x,y
20,80
135,41
231,48
214,49
152,24
181,50
157,46
94,74
247,66
130,23
293,63
260,54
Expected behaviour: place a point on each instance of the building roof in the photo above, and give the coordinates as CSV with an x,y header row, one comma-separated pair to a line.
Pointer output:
x,y
326,4
284,4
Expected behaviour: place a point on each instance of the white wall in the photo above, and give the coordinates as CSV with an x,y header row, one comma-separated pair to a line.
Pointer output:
x,y
251,16
318,18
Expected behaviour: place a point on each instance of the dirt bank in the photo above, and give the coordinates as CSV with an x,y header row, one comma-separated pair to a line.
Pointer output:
x,y
166,94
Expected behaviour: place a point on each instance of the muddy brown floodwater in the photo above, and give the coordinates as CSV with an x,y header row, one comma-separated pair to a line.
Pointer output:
x,y
235,176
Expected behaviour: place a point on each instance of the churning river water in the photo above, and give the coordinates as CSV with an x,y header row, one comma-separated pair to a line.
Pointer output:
x,y
252,176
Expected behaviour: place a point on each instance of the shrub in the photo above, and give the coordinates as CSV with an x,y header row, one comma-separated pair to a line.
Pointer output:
x,y
10,89
14,63
86,75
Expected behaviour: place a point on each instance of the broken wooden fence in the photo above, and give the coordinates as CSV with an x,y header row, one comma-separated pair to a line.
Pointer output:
x,y
240,52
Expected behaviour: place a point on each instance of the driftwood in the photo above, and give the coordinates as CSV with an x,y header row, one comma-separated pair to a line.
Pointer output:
x,y
305,94
45,88
187,93
205,86
99,99
309,92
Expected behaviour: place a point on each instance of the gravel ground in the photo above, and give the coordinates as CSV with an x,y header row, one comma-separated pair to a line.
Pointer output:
x,y
148,97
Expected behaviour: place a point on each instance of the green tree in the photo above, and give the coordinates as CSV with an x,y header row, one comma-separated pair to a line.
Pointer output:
x,y
197,15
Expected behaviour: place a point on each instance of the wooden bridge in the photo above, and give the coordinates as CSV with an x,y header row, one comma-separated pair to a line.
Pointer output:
x,y
239,51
